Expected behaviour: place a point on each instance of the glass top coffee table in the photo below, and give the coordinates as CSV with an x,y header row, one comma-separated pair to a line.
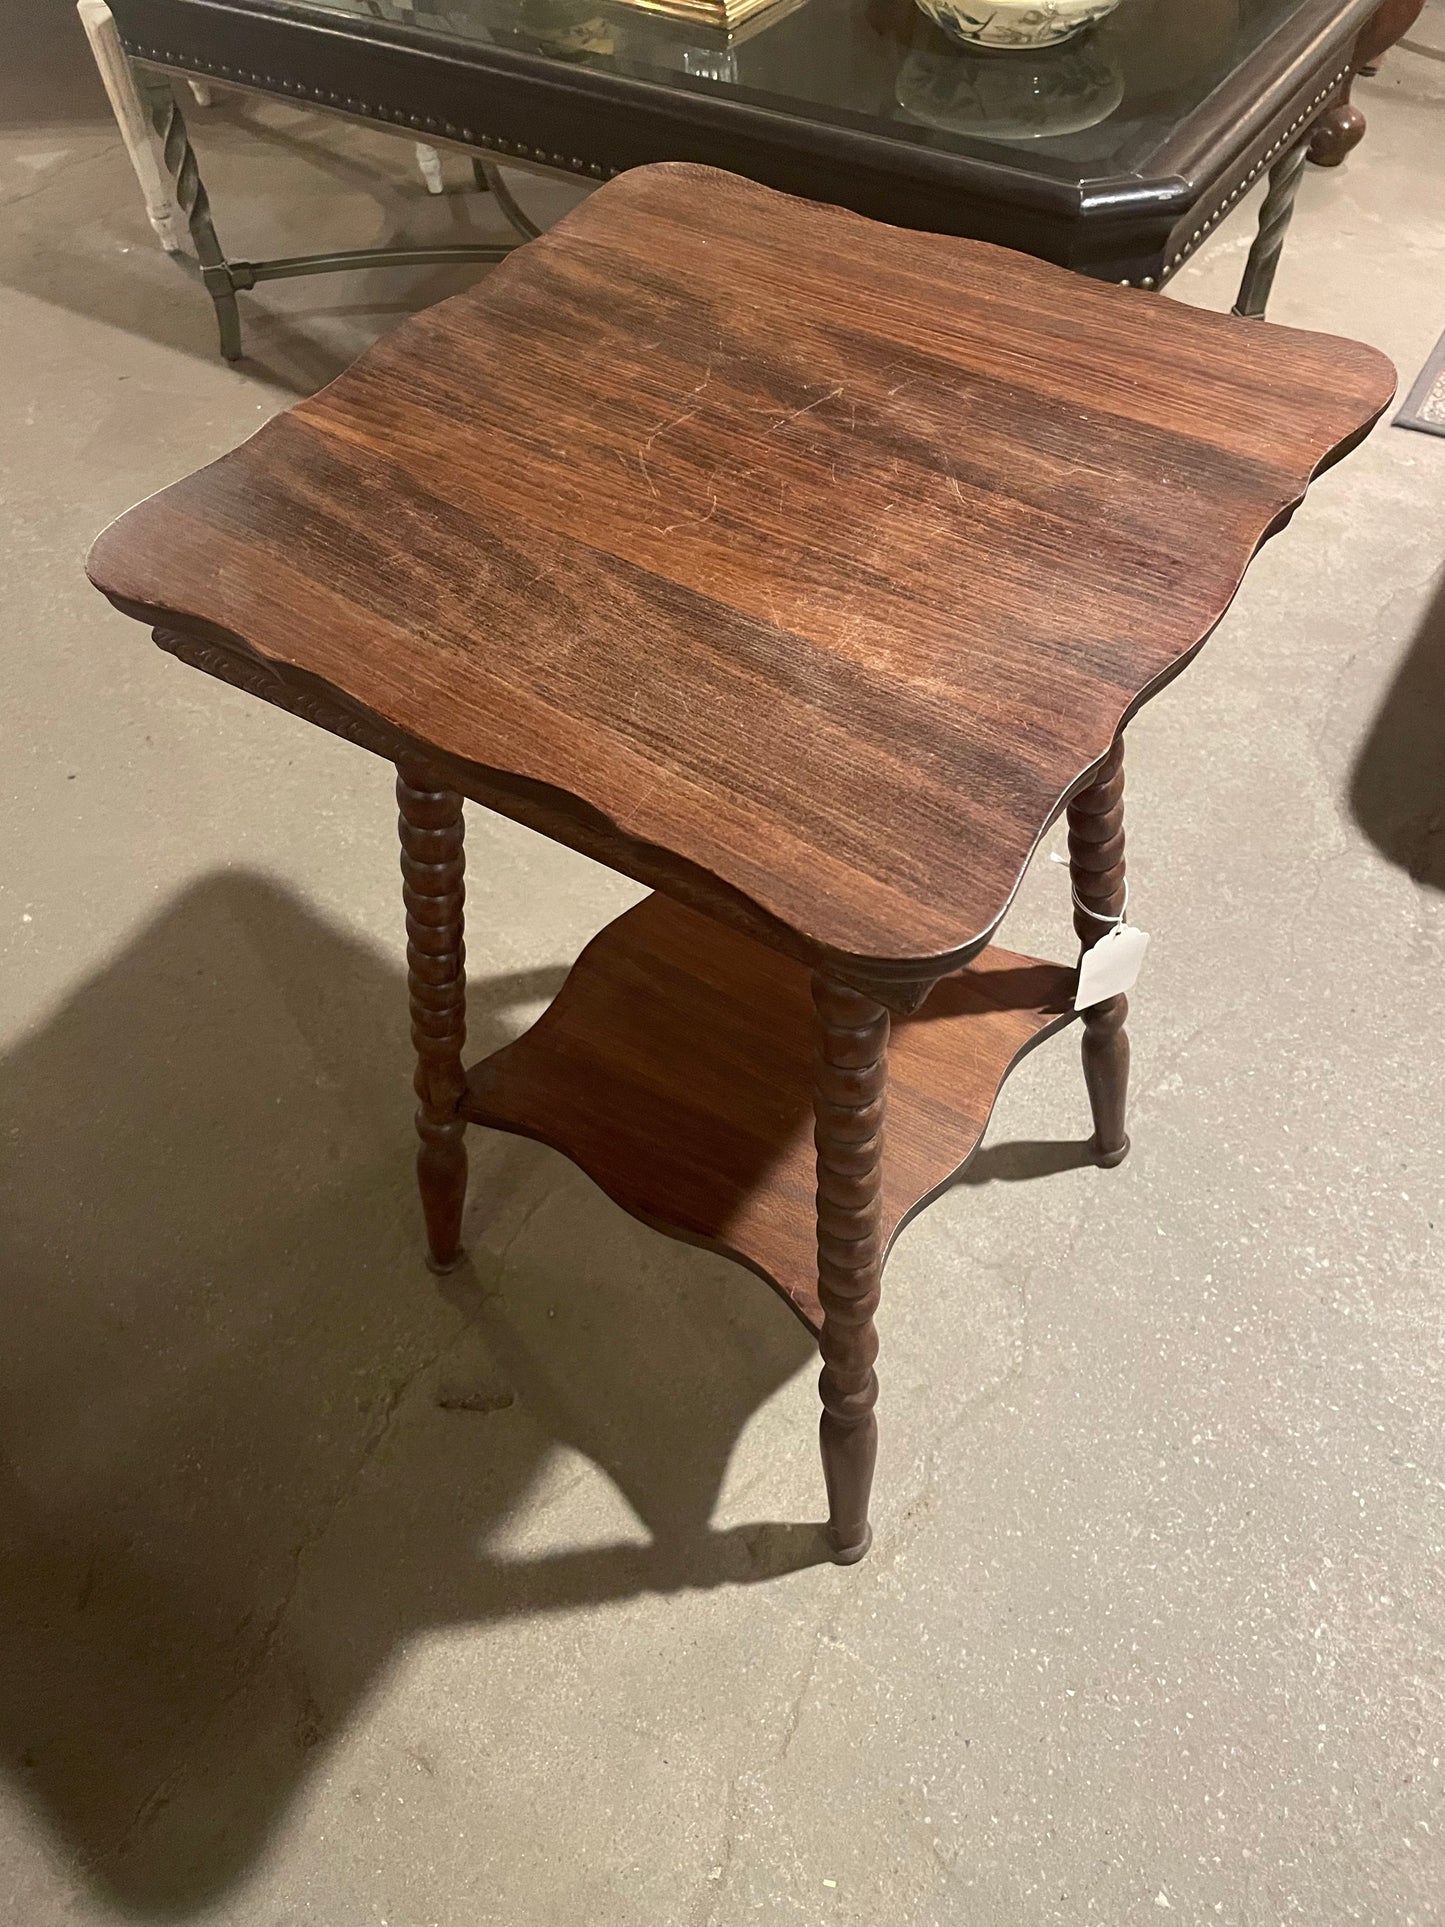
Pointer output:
x,y
1116,153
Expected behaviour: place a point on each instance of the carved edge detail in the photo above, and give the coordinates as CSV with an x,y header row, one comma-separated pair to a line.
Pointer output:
x,y
256,678
233,664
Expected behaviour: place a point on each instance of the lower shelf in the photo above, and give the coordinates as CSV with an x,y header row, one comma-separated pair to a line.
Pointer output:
x,y
675,1067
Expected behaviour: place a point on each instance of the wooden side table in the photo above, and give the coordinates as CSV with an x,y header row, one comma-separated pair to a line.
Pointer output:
x,y
803,569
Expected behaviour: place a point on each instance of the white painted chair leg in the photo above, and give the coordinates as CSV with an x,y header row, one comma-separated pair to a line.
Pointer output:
x,y
133,121
430,163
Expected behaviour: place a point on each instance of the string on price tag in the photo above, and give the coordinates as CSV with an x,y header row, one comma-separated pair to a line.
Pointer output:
x,y
1110,967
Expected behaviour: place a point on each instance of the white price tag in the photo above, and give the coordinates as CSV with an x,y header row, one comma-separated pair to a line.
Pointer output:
x,y
1112,967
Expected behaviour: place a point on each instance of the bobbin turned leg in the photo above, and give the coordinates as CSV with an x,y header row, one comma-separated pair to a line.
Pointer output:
x,y
850,1079
1096,866
432,863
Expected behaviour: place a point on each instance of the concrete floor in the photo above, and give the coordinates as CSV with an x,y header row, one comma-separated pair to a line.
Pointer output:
x,y
329,1596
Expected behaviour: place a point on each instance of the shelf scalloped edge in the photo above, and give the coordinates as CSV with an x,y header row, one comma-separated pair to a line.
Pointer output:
x,y
674,1067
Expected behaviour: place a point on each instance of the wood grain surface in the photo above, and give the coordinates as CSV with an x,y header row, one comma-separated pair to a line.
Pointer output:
x,y
676,1067
793,563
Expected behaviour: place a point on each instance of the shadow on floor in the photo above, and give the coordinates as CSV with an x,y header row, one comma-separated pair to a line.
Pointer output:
x,y
1025,1159
248,1451
49,78
1397,787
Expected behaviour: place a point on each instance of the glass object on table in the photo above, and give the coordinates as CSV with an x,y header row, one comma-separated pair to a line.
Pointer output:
x,y
841,62
1026,96
1015,25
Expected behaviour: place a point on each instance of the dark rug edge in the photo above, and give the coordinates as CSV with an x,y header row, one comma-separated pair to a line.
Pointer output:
x,y
1428,394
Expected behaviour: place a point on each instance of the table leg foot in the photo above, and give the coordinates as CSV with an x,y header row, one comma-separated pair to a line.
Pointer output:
x,y
1337,132
1341,127
432,868
850,1088
228,315
850,1555
1106,1160
1096,868
454,1263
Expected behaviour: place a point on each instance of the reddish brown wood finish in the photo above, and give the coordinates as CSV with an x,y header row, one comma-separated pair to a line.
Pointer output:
x,y
794,563
676,1067
1389,23
432,864
1341,127
803,567
850,1090
1096,867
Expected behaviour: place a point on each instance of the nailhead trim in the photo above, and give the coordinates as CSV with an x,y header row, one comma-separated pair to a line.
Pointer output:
x,y
572,164
516,150
1252,176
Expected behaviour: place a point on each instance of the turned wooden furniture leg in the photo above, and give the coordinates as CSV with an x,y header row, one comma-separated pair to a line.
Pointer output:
x,y
1389,23
1341,127
432,865
1096,866
850,1083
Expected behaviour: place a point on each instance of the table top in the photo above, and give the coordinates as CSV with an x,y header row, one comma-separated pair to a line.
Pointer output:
x,y
862,102
796,565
